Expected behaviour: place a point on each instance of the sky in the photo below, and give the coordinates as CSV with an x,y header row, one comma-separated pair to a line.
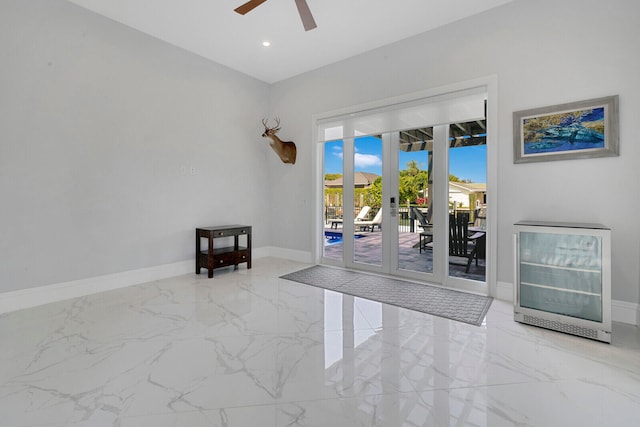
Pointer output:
x,y
464,162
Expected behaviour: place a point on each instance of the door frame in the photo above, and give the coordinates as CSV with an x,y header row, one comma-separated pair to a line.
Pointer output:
x,y
490,83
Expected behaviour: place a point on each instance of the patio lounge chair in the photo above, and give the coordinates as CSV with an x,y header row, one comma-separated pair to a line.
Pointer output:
x,y
376,221
360,217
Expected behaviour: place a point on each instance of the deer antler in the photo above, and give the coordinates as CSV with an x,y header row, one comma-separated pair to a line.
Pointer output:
x,y
276,128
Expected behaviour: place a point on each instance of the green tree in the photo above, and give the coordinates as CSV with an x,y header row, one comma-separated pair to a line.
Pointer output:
x,y
332,196
412,169
373,194
412,181
453,178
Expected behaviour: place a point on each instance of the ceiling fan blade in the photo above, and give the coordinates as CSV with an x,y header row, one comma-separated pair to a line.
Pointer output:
x,y
248,6
305,14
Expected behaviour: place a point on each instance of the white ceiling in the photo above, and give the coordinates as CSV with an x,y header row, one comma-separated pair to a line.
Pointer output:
x,y
212,29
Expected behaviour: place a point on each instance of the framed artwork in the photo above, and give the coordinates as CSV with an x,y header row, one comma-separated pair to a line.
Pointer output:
x,y
577,130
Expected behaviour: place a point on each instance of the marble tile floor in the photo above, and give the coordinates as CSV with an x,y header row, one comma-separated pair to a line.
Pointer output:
x,y
249,349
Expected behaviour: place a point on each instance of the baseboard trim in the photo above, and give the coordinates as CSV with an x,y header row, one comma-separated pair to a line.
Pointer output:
x,y
26,298
621,311
32,297
290,254
625,312
504,291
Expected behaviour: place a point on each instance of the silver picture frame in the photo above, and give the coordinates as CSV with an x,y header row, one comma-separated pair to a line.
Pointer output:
x,y
576,130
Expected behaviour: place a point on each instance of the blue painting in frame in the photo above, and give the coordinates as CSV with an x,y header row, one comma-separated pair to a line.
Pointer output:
x,y
569,131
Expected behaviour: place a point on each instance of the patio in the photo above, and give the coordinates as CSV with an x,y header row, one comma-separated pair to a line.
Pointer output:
x,y
368,250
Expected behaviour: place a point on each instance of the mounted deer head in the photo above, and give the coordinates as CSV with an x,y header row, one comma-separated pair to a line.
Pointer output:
x,y
286,150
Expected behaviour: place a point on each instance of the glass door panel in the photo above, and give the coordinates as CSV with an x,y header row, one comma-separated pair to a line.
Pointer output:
x,y
333,201
367,200
415,197
467,200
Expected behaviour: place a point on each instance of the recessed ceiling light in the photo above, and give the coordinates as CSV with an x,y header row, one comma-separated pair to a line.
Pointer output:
x,y
266,43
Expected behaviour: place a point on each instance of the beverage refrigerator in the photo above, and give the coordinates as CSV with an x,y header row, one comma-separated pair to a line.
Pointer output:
x,y
563,277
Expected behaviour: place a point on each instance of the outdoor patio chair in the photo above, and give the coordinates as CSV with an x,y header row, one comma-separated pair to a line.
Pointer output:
x,y
422,220
376,221
460,243
480,222
360,217
426,236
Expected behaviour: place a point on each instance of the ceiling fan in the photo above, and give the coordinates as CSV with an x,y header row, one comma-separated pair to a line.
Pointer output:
x,y
303,9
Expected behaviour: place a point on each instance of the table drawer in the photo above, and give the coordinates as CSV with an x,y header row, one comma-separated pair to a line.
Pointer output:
x,y
242,256
224,259
231,232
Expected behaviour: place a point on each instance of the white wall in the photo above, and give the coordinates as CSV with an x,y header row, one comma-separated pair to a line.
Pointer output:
x,y
96,122
543,52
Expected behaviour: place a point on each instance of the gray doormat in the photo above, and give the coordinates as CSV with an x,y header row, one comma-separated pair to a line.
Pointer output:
x,y
454,305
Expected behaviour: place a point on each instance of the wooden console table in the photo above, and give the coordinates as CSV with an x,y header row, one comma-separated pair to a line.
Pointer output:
x,y
212,258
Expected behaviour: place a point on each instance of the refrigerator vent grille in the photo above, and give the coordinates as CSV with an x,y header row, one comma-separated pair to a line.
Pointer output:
x,y
562,327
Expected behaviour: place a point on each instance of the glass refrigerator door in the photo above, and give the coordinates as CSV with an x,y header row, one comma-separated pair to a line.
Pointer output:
x,y
561,273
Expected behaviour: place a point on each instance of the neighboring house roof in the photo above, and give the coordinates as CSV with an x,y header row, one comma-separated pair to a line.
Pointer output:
x,y
361,180
468,187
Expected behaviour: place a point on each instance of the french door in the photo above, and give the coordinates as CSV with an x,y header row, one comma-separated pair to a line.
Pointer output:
x,y
389,197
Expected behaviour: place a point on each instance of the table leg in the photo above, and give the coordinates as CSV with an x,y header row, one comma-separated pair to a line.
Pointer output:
x,y
197,253
249,250
210,257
